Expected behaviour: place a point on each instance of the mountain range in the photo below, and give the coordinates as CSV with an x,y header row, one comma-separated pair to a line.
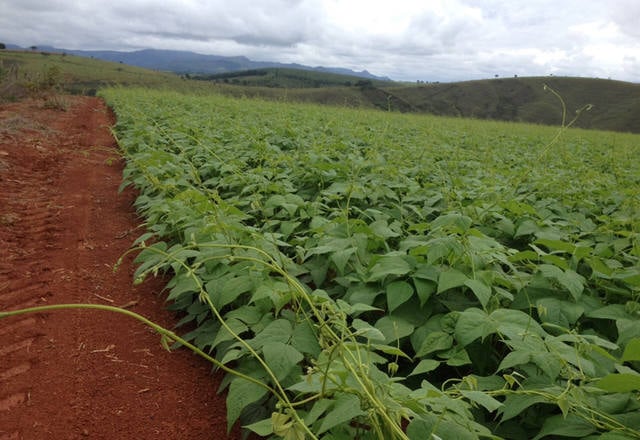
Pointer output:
x,y
614,105
184,62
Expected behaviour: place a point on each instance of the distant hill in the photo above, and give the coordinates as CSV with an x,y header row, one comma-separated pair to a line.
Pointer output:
x,y
183,62
616,104
21,71
291,78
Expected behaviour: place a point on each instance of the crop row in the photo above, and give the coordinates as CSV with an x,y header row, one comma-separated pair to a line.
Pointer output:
x,y
374,275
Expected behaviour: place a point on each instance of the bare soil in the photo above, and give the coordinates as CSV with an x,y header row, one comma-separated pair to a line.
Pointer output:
x,y
63,225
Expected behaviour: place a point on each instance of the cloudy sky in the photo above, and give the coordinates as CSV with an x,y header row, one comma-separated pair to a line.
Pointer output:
x,y
431,40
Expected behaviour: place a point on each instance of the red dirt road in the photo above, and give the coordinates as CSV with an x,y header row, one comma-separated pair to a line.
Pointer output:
x,y
83,374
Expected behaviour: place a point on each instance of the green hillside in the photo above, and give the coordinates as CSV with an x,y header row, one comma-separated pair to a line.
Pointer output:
x,y
291,78
616,104
20,70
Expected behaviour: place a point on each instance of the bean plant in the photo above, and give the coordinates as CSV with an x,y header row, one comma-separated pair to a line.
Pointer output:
x,y
370,275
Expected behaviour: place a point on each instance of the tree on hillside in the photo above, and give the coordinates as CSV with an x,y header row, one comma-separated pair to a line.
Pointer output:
x,y
2,46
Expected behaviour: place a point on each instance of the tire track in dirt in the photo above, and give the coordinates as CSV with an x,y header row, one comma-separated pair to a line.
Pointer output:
x,y
27,222
77,374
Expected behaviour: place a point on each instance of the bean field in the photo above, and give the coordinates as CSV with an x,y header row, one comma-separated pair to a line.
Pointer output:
x,y
371,275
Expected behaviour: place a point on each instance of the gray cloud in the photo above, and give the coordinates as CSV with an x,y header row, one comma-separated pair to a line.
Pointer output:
x,y
626,15
404,39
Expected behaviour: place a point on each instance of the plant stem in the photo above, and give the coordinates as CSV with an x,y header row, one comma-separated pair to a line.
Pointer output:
x,y
159,329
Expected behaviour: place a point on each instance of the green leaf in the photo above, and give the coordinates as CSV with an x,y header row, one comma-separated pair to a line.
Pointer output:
x,y
563,404
241,393
225,290
310,384
456,357
568,278
346,408
523,256
339,188
425,366
516,357
610,436
232,355
184,283
422,427
356,308
549,363
480,290
434,341
263,428
570,426
599,268
281,358
556,245
555,260
550,271
277,331
235,325
628,329
150,257
319,407
483,399
248,314
573,282
424,289
431,427
287,228
514,404
389,349
305,340
452,222
382,229
426,272
331,246
389,265
341,258
473,324
559,312
526,227
394,327
363,294
450,279
631,351
516,324
232,288
398,293
629,276
619,383
612,311
368,331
